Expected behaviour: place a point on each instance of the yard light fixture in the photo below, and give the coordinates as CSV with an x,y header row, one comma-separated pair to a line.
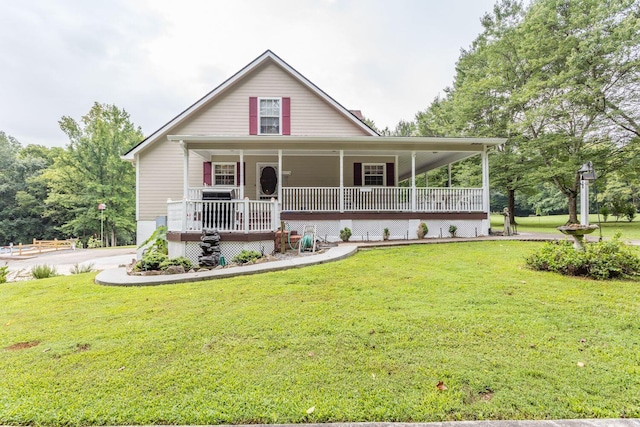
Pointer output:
x,y
587,174
101,208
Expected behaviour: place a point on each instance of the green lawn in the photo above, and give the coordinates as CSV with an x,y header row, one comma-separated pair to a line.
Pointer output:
x,y
548,224
367,338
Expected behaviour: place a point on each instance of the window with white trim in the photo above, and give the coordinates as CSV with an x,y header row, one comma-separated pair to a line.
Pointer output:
x,y
224,174
269,116
373,174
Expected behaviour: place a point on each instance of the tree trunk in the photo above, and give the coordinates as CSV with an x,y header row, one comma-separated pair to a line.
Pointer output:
x,y
511,204
573,208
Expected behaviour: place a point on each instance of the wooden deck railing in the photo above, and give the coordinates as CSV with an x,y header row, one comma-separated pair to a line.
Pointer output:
x,y
225,215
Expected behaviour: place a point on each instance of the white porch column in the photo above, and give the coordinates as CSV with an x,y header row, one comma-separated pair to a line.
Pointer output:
x,y
485,181
341,180
280,177
414,199
449,174
185,170
242,183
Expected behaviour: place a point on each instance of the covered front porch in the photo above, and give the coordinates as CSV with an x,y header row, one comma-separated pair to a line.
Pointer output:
x,y
332,182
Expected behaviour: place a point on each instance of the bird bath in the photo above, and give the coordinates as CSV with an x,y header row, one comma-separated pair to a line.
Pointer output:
x,y
578,232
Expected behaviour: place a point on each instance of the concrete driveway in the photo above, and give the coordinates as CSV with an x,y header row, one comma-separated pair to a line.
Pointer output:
x,y
64,260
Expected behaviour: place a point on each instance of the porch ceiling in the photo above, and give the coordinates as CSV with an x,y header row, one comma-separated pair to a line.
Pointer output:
x,y
431,153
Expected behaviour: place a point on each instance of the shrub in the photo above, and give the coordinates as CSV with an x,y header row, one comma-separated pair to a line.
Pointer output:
x,y
603,260
157,241
4,271
183,261
79,269
93,243
247,256
43,271
151,260
423,230
605,212
630,212
452,230
345,234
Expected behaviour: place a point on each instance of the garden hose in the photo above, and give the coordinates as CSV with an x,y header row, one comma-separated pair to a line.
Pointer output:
x,y
288,228
306,241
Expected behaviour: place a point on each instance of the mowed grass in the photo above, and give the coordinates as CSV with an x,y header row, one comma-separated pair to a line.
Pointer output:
x,y
367,338
548,224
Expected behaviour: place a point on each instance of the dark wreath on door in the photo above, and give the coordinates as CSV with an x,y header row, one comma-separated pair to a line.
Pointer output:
x,y
268,181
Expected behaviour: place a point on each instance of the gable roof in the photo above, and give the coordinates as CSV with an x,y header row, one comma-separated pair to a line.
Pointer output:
x,y
268,55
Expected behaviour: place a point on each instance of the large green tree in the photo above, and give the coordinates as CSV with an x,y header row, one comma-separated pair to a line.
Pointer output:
x,y
90,172
22,192
559,79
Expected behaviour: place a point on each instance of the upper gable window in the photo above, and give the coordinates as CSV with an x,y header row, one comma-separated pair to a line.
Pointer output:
x,y
270,115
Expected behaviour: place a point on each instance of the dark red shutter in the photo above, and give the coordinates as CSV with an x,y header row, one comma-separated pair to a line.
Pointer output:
x,y
391,174
206,173
357,174
286,116
253,115
244,175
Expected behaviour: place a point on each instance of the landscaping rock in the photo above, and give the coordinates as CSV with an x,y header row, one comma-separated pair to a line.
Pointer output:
x,y
175,269
210,245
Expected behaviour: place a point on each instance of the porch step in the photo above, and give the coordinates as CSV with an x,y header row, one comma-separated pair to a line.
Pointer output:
x,y
294,238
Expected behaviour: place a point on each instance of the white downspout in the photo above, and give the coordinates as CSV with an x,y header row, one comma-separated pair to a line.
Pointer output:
x,y
414,199
185,170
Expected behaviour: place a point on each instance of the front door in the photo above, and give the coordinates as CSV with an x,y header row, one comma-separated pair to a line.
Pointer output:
x,y
267,177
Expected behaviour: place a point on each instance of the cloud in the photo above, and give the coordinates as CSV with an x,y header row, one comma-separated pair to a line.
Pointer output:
x,y
156,57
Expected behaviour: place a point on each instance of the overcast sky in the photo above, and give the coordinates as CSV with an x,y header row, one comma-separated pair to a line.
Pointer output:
x,y
154,58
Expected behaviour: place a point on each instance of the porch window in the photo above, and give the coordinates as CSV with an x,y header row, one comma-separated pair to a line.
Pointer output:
x,y
269,116
224,174
373,174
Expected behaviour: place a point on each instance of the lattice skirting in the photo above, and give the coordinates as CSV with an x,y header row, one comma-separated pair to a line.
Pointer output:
x,y
329,230
368,230
229,249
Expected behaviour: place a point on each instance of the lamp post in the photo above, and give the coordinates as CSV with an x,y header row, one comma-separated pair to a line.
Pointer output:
x,y
101,208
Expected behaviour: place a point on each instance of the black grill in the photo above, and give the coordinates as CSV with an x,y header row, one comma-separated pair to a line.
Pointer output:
x,y
218,194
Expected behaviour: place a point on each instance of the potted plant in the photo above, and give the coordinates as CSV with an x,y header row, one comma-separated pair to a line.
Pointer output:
x,y
422,230
385,234
452,230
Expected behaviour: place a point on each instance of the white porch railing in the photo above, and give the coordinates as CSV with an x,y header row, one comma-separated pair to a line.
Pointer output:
x,y
449,200
311,199
246,216
382,199
226,216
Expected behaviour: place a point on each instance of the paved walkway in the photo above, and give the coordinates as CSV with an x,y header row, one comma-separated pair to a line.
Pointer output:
x,y
119,276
